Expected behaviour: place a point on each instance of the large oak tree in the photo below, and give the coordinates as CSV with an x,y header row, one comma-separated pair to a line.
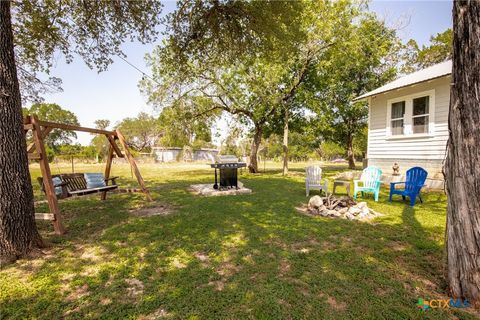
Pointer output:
x,y
33,32
462,166
258,79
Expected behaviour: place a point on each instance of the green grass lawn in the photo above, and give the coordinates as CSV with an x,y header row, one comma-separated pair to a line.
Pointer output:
x,y
248,256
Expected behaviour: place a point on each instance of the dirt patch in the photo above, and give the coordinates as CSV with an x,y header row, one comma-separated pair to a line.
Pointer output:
x,y
70,311
135,288
382,292
328,246
277,243
227,269
305,292
202,256
157,210
93,254
218,284
284,303
397,246
177,264
284,267
157,314
78,293
335,305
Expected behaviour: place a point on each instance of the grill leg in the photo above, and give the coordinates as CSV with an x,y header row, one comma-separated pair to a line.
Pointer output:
x,y
235,178
215,186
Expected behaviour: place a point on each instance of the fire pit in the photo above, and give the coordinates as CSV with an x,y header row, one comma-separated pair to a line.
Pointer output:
x,y
228,166
342,207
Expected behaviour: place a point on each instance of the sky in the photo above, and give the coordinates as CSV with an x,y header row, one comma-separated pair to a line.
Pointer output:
x,y
114,94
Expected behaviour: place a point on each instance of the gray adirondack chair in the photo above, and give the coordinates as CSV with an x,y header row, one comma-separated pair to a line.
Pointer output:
x,y
313,180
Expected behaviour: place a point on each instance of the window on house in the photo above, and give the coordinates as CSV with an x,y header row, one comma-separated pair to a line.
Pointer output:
x,y
398,112
420,115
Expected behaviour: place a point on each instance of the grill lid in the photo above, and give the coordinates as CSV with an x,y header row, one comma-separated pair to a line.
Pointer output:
x,y
226,159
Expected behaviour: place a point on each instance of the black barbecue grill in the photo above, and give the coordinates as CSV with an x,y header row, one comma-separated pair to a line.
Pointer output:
x,y
228,167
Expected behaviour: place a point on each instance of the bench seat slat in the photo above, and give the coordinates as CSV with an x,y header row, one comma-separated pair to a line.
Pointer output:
x,y
93,190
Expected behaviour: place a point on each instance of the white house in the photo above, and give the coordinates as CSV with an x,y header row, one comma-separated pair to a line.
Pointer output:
x,y
408,122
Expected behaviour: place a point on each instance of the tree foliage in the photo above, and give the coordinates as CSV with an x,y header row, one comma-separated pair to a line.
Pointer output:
x,y
215,31
359,65
54,113
93,30
329,150
100,142
439,50
258,82
141,132
67,151
179,127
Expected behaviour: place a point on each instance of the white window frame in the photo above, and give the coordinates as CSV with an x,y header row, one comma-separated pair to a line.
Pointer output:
x,y
395,119
408,116
422,115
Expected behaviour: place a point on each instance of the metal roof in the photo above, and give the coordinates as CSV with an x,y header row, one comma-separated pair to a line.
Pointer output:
x,y
435,71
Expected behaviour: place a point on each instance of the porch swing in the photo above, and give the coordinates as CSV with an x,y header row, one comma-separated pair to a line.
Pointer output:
x,y
75,184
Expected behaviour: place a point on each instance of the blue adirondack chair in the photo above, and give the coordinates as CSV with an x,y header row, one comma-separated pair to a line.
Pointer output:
x,y
416,177
370,180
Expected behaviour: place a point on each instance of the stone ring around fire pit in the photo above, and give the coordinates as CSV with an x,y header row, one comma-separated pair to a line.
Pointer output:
x,y
343,207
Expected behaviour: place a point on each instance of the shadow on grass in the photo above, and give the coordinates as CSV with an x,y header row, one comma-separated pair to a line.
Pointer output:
x,y
236,257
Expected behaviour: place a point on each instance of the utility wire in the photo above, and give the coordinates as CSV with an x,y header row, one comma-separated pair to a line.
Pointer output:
x,y
138,69
118,55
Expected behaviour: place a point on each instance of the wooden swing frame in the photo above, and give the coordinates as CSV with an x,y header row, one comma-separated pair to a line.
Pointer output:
x,y
40,129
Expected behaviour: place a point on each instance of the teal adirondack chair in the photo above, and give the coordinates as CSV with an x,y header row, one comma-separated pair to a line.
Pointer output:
x,y
370,180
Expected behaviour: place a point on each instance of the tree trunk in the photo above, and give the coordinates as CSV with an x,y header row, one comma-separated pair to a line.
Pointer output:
x,y
18,231
462,166
257,138
350,155
285,143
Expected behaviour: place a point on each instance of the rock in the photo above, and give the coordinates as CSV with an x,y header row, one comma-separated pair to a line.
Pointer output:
x,y
343,210
354,210
334,213
361,205
362,215
324,213
315,202
349,216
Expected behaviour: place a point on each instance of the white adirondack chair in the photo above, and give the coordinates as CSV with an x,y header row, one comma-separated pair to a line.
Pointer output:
x,y
313,177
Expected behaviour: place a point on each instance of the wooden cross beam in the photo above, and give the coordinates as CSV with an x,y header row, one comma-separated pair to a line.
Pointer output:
x,y
71,127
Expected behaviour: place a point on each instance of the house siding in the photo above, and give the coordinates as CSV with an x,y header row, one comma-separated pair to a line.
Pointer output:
x,y
407,151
